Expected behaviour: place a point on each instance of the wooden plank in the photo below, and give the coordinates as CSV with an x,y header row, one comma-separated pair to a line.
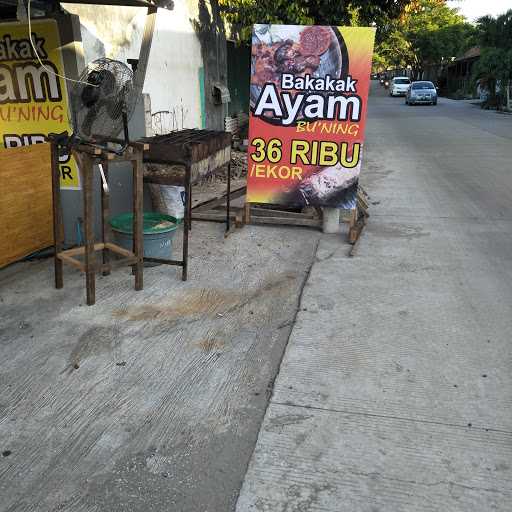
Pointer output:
x,y
90,258
25,201
105,217
58,225
213,203
228,198
145,48
165,262
69,260
138,240
213,216
355,231
267,212
119,250
80,251
187,221
119,263
247,213
287,221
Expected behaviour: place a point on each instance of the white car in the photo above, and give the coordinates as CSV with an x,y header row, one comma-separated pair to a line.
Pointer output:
x,y
399,86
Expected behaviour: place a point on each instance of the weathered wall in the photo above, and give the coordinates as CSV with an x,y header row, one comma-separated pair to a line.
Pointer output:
x,y
173,74
210,31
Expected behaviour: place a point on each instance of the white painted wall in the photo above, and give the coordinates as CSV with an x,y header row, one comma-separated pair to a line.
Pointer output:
x,y
172,78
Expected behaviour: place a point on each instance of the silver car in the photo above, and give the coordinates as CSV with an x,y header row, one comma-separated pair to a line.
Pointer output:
x,y
421,92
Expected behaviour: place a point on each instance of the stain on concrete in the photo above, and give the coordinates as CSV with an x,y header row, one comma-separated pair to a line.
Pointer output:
x,y
209,345
196,302
303,497
204,301
286,419
391,231
95,341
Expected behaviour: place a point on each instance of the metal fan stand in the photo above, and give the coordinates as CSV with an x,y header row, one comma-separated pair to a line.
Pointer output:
x,y
87,156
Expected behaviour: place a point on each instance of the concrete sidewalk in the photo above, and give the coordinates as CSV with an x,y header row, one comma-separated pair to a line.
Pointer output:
x,y
394,394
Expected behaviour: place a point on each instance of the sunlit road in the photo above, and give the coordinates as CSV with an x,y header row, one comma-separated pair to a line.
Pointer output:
x,y
395,393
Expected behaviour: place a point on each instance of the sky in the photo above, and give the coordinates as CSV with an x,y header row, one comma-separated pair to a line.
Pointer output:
x,y
473,9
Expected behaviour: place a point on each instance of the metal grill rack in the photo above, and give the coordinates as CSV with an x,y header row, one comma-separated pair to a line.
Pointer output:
x,y
201,153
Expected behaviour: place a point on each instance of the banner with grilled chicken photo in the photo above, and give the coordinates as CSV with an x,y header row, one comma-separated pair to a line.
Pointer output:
x,y
309,92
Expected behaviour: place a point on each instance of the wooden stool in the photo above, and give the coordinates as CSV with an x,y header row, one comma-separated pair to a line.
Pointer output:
x,y
86,157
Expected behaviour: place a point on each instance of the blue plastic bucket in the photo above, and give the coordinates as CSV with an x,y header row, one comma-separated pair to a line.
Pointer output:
x,y
159,230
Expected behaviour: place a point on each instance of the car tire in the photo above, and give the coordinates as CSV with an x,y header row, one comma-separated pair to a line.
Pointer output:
x,y
434,103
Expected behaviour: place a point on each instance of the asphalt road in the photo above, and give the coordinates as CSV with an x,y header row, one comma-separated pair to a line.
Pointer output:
x,y
394,391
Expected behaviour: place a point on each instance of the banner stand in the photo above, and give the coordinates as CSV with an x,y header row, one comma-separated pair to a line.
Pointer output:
x,y
259,213
308,97
358,217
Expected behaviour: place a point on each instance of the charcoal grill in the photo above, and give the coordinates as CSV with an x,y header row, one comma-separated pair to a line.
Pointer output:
x,y
201,153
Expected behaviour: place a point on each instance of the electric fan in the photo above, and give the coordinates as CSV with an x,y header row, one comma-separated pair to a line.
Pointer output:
x,y
102,102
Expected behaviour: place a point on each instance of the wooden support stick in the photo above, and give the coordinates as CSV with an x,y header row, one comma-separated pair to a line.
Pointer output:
x,y
247,213
89,230
187,220
228,198
138,228
57,217
105,228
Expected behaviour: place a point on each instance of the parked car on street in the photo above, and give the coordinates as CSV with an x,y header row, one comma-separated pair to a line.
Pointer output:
x,y
421,92
399,86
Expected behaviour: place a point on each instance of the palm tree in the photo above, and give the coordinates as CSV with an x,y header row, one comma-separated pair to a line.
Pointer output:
x,y
495,63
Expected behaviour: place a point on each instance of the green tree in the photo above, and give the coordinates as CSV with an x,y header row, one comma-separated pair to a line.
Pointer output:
x,y
242,14
429,33
495,63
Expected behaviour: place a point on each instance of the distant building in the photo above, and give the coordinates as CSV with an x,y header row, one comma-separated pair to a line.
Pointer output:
x,y
459,73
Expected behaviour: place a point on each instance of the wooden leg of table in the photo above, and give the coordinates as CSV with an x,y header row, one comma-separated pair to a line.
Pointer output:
x,y
187,220
138,227
189,207
247,212
57,217
228,198
90,274
105,227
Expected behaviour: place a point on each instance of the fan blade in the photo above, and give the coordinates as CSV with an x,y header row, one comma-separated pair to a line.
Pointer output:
x,y
90,117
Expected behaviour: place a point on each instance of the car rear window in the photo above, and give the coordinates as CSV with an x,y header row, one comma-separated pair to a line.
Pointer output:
x,y
423,85
402,81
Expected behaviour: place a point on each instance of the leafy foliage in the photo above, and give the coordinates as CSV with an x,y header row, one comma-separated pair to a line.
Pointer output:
x,y
495,63
429,32
242,14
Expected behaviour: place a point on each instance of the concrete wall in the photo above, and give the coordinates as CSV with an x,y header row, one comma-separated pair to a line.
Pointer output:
x,y
209,28
173,74
172,81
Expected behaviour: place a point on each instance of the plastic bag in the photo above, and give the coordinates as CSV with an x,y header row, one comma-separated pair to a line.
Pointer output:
x,y
168,199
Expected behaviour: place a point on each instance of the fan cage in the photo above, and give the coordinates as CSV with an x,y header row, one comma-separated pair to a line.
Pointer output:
x,y
105,90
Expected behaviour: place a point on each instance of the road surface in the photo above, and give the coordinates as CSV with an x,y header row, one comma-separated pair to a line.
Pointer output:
x,y
394,394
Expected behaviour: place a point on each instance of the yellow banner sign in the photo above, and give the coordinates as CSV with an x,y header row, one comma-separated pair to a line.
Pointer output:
x,y
33,100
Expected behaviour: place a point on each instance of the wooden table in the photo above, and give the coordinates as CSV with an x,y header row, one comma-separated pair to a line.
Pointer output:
x,y
86,157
